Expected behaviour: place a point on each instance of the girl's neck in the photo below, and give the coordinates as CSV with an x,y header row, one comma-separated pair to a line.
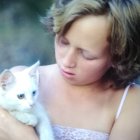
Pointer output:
x,y
94,89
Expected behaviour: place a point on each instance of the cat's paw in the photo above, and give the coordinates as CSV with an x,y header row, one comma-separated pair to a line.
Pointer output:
x,y
26,118
45,136
44,132
31,120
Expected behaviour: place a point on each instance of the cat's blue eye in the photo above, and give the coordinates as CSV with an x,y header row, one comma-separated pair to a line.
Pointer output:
x,y
21,96
34,93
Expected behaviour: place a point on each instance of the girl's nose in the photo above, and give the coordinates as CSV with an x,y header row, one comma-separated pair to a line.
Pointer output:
x,y
70,59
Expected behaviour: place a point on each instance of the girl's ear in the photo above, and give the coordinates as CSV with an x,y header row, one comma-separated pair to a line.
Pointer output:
x,y
6,79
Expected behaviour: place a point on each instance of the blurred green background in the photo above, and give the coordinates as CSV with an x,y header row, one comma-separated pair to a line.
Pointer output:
x,y
23,40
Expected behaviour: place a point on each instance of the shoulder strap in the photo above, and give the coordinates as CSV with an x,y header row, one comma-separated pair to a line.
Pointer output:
x,y
122,100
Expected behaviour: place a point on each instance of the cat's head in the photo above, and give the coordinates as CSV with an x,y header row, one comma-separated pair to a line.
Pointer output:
x,y
20,89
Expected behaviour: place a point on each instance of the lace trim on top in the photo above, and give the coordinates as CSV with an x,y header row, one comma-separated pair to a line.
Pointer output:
x,y
70,133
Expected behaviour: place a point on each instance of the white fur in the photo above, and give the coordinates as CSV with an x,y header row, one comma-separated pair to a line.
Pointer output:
x,y
13,86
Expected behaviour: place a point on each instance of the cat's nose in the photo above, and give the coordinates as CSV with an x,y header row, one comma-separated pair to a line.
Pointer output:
x,y
31,104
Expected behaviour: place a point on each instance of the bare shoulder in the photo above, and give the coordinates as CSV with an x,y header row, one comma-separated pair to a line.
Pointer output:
x,y
46,70
133,96
127,126
46,73
133,100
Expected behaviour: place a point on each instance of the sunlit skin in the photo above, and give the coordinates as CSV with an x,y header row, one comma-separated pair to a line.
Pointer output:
x,y
82,53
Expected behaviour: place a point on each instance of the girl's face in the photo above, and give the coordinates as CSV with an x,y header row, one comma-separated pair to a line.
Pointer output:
x,y
82,54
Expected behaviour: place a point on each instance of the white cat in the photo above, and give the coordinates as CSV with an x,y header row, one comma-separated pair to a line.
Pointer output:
x,y
18,95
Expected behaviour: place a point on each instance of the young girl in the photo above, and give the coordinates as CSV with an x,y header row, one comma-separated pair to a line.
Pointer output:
x,y
90,92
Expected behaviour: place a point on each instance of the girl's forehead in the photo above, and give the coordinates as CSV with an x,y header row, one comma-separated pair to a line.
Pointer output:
x,y
90,28
90,24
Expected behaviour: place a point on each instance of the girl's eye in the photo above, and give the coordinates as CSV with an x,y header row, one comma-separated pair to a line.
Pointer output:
x,y
21,96
34,93
87,55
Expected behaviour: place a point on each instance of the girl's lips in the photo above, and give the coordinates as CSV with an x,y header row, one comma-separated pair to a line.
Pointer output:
x,y
67,74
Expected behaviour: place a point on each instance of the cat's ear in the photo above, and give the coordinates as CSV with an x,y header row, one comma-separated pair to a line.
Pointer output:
x,y
33,70
6,79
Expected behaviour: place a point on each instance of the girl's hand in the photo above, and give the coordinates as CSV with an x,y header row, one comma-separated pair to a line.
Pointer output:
x,y
11,129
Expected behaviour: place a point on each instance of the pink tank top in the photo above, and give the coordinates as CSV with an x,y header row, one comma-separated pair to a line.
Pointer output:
x,y
70,133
